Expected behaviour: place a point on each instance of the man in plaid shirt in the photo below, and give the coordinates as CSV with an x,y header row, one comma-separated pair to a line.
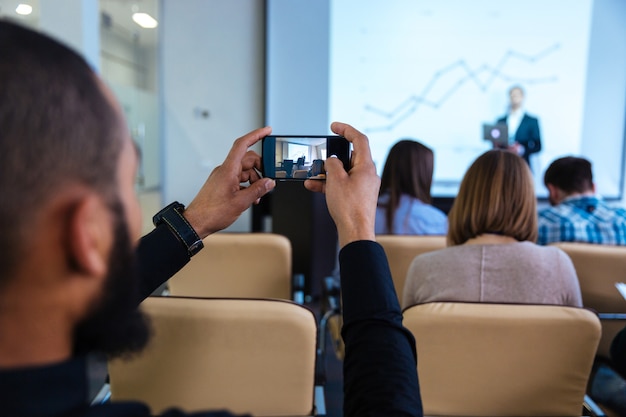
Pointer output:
x,y
577,213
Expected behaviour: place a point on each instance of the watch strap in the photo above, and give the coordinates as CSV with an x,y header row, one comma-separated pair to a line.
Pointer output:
x,y
172,216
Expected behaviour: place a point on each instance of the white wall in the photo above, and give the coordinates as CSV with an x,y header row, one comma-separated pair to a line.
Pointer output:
x,y
212,58
297,67
129,67
603,129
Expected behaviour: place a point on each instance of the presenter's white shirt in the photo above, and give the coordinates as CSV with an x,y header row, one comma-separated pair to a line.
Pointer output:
x,y
513,121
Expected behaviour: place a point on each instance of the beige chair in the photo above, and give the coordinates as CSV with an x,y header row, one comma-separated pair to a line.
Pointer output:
x,y
247,356
502,360
599,268
402,249
300,173
243,265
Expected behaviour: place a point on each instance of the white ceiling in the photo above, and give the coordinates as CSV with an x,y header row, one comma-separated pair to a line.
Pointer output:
x,y
120,12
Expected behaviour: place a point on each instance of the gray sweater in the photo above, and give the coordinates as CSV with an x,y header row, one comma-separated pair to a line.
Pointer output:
x,y
521,272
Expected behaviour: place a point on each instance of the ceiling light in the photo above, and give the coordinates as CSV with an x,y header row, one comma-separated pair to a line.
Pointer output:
x,y
145,20
24,9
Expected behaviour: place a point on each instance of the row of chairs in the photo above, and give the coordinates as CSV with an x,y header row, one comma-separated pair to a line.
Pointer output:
x,y
600,269
452,340
258,356
470,348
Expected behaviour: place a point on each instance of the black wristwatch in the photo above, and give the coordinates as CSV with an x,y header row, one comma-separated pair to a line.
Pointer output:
x,y
172,216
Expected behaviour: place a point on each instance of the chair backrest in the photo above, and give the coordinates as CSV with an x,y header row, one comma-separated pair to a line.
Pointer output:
x,y
300,173
599,268
242,265
501,359
402,249
244,355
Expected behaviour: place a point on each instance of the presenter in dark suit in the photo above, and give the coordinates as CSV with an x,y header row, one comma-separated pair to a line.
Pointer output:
x,y
523,129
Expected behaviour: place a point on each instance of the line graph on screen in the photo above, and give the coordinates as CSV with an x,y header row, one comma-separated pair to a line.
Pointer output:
x,y
482,76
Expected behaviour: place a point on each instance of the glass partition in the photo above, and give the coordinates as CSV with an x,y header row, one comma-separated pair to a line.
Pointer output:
x,y
128,36
128,59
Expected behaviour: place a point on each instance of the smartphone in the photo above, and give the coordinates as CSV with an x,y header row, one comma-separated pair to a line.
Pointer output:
x,y
302,157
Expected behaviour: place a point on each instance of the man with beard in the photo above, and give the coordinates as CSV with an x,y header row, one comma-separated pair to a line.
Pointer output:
x,y
69,217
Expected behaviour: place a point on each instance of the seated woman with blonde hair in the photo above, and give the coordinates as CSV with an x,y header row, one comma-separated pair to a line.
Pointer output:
x,y
491,254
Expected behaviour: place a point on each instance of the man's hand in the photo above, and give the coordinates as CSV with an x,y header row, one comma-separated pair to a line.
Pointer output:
x,y
351,196
222,199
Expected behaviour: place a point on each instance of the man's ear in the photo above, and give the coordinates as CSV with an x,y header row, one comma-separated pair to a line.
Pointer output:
x,y
90,236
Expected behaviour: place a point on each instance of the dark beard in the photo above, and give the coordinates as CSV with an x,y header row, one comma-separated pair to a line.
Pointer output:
x,y
116,327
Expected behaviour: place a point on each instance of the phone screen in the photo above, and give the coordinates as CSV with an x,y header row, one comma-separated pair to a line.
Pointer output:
x,y
302,157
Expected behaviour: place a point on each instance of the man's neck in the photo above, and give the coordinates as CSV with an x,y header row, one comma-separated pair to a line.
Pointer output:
x,y
574,196
579,195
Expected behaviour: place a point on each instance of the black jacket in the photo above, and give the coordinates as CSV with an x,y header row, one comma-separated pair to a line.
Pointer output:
x,y
527,135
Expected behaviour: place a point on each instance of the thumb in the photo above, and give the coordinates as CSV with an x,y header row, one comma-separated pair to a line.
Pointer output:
x,y
334,166
255,191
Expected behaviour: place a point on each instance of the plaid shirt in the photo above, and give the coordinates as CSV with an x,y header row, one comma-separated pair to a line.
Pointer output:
x,y
583,219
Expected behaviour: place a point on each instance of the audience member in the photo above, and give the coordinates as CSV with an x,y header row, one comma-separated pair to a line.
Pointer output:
x,y
70,223
492,256
404,203
578,214
524,136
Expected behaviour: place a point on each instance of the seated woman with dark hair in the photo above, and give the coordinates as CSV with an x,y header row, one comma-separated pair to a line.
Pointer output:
x,y
404,200
492,255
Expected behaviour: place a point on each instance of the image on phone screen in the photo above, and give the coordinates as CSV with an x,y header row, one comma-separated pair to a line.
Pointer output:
x,y
302,157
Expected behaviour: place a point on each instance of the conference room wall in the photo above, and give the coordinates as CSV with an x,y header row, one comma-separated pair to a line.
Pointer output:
x,y
212,88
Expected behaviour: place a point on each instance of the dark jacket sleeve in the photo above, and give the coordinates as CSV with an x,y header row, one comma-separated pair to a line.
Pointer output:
x,y
530,137
160,255
527,135
380,365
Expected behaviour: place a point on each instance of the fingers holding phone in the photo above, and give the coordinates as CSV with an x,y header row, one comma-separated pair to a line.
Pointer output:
x,y
222,199
351,195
